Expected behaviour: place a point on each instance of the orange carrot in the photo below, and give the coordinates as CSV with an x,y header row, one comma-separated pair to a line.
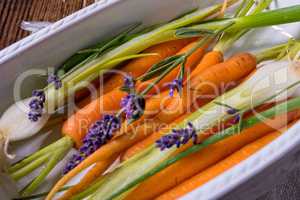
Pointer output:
x,y
191,63
149,140
174,174
77,125
113,147
220,167
139,66
206,83
88,178
211,58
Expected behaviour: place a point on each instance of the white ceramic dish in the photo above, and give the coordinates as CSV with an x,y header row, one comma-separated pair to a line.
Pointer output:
x,y
50,46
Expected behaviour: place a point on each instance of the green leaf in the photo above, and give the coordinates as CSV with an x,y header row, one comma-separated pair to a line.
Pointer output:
x,y
107,65
190,32
156,69
239,9
71,62
85,55
246,6
116,41
156,72
224,105
38,196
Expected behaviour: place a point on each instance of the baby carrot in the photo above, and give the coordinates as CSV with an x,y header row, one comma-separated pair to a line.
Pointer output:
x,y
139,66
149,140
88,178
190,64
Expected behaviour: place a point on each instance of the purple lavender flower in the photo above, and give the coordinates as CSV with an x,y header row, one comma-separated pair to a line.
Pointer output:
x,y
178,137
99,133
74,161
236,119
232,111
133,106
40,94
236,116
176,84
129,82
55,80
36,105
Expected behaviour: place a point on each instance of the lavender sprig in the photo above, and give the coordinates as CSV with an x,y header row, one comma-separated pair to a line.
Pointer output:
x,y
177,85
133,106
55,80
36,105
129,82
178,137
99,134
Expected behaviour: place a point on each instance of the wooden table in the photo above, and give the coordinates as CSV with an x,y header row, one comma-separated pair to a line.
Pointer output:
x,y
12,12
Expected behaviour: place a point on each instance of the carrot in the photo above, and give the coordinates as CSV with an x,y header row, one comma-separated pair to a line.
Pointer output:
x,y
189,66
220,167
149,140
139,66
105,152
77,125
206,83
209,59
187,167
88,178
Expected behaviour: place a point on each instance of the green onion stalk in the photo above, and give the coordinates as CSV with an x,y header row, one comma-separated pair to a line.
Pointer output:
x,y
77,72
262,86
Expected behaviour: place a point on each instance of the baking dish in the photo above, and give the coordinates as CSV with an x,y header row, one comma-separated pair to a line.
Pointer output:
x,y
50,46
